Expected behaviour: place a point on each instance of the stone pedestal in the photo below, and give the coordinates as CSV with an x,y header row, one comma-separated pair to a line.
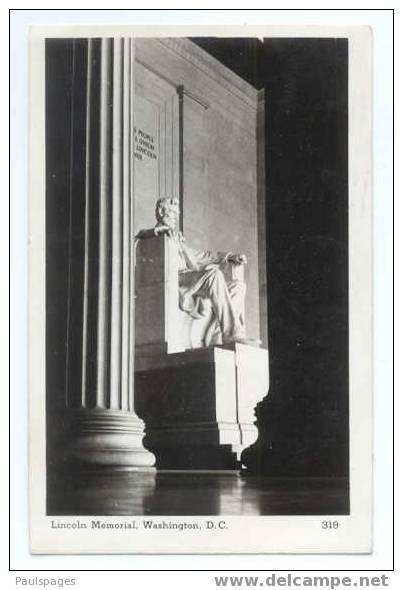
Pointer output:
x,y
198,405
197,402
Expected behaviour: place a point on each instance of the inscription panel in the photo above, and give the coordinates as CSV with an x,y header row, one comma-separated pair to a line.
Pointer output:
x,y
155,144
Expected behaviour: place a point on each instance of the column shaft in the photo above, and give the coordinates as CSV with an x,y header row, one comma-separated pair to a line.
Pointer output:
x,y
131,228
108,431
126,253
104,288
87,224
117,196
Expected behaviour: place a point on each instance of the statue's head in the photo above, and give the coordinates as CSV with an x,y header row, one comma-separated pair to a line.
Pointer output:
x,y
167,212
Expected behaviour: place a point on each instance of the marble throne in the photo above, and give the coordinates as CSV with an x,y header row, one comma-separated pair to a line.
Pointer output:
x,y
161,326
197,402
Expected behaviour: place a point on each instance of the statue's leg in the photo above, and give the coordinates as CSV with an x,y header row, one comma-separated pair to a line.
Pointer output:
x,y
213,335
237,291
214,286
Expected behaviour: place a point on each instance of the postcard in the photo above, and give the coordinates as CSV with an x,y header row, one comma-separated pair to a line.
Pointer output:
x,y
200,289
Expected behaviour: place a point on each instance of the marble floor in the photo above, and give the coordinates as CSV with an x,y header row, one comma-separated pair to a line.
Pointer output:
x,y
119,492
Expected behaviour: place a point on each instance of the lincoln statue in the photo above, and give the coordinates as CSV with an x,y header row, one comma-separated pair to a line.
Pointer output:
x,y
201,278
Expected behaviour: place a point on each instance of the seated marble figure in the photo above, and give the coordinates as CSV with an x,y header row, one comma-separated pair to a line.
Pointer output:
x,y
201,278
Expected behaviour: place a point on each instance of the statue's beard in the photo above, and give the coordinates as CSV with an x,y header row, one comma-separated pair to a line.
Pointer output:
x,y
170,222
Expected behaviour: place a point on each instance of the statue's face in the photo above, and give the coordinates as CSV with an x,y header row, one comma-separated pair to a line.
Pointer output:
x,y
168,214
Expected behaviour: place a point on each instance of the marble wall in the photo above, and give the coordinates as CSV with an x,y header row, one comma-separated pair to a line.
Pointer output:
x,y
220,154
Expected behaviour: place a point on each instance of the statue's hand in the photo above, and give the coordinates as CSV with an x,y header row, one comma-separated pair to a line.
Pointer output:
x,y
176,235
160,230
168,231
237,259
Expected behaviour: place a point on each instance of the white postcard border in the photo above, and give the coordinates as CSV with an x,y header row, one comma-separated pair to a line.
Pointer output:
x,y
267,534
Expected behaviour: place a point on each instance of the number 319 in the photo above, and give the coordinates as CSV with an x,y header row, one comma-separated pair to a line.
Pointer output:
x,y
330,524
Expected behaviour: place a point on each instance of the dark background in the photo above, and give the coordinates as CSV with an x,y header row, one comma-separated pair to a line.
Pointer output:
x,y
303,422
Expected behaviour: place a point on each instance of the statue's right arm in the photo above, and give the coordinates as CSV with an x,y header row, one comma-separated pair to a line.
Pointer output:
x,y
145,233
152,232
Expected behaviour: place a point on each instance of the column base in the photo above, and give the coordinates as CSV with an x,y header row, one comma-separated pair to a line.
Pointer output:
x,y
108,437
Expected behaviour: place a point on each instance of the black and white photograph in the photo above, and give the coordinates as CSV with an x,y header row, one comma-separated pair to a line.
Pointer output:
x,y
198,310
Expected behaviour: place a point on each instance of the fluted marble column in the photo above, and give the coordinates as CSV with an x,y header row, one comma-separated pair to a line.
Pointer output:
x,y
100,396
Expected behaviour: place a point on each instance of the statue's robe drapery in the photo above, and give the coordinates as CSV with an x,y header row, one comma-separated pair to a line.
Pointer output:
x,y
201,278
